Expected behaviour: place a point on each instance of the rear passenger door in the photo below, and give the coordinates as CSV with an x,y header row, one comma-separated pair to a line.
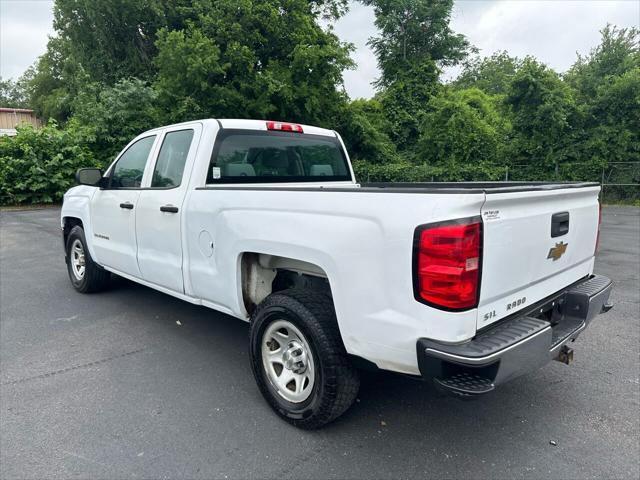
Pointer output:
x,y
159,211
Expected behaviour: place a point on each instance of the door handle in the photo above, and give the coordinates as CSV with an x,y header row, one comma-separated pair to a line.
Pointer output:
x,y
128,206
169,209
559,224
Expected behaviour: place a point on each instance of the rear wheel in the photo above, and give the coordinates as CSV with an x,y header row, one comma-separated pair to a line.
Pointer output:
x,y
86,276
298,358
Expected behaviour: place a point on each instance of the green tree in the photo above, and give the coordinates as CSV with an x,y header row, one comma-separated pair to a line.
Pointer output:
x,y
543,114
363,125
413,32
97,42
462,129
118,67
104,42
252,59
405,101
111,116
113,39
617,53
12,94
607,85
54,81
415,41
490,74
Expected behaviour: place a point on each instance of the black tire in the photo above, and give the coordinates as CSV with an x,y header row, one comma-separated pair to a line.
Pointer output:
x,y
336,381
95,278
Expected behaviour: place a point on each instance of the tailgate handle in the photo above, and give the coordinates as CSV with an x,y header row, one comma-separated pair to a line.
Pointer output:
x,y
559,224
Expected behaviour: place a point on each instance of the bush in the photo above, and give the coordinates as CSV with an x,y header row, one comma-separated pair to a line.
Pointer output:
x,y
408,172
38,166
461,128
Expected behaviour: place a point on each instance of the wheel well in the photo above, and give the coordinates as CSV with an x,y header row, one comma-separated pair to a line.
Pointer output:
x,y
67,224
263,274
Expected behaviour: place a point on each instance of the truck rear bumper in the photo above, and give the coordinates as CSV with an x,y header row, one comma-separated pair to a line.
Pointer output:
x,y
517,345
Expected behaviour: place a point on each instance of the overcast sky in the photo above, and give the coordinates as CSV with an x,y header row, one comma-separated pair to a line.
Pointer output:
x,y
551,30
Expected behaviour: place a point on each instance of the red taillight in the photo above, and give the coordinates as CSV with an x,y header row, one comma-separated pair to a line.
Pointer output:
x,y
284,127
447,264
595,250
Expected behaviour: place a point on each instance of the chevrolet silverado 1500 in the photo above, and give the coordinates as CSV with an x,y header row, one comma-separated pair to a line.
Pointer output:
x,y
467,285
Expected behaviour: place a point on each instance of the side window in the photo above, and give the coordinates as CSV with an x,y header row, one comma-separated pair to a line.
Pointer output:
x,y
171,159
128,171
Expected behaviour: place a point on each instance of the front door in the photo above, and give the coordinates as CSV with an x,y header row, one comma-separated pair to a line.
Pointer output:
x,y
114,209
159,210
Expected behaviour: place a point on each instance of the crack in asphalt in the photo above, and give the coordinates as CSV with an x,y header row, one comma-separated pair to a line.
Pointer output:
x,y
300,460
74,367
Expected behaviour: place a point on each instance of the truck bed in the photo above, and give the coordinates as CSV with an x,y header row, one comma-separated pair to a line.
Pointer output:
x,y
416,187
475,187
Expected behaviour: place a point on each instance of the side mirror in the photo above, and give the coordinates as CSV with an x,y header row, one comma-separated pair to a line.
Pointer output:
x,y
89,176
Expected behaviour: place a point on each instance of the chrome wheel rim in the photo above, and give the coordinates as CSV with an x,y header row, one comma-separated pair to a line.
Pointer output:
x,y
288,361
77,259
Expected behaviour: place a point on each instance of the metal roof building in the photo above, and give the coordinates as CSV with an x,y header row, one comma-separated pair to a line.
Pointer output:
x,y
10,118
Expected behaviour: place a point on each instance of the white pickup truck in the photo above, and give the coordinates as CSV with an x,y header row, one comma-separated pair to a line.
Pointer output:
x,y
467,285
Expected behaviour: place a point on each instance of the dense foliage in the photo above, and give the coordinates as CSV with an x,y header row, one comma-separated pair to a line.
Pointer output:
x,y
118,67
412,33
13,93
250,59
505,117
38,166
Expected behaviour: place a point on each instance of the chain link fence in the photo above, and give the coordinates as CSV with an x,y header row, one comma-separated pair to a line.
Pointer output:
x,y
620,181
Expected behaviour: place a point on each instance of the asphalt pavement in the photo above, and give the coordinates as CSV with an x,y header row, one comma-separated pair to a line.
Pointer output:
x,y
110,386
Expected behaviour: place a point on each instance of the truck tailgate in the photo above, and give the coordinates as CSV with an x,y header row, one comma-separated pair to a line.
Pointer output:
x,y
525,261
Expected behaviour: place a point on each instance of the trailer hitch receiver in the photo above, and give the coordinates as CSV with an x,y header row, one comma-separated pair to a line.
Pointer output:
x,y
565,355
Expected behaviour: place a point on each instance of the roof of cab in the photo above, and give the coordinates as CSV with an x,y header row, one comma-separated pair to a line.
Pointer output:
x,y
262,125
250,125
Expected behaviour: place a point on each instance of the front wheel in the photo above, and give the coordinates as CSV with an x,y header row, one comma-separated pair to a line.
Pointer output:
x,y
86,276
299,360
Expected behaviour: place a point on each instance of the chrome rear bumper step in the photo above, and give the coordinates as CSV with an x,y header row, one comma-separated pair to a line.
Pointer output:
x,y
515,346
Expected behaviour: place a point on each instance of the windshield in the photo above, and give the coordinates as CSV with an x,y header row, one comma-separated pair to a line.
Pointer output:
x,y
249,156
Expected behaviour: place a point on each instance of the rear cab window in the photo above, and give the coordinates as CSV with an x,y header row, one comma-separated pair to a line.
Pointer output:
x,y
169,167
255,156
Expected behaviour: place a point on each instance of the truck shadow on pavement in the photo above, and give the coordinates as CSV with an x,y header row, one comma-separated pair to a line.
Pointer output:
x,y
561,421
391,405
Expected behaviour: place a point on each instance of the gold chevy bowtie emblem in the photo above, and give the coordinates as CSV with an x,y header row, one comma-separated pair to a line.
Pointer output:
x,y
557,251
